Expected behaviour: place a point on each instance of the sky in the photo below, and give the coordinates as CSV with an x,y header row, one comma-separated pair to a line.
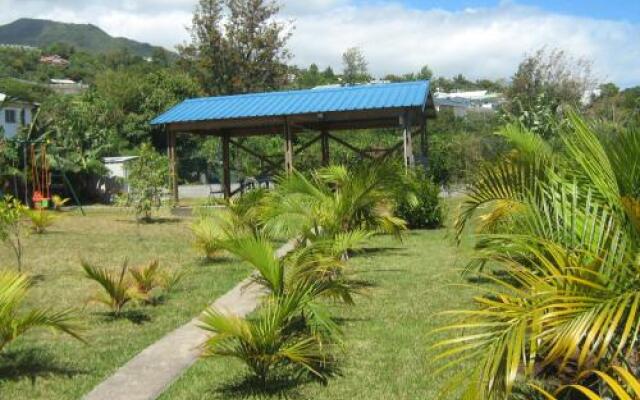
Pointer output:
x,y
478,38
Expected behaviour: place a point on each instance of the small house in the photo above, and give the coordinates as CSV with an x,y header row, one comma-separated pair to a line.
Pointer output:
x,y
15,114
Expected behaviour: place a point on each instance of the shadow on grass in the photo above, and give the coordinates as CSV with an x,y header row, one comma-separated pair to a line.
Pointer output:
x,y
250,387
137,317
381,250
278,387
216,261
152,221
498,274
32,363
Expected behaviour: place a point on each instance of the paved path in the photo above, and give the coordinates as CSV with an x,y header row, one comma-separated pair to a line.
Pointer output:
x,y
151,372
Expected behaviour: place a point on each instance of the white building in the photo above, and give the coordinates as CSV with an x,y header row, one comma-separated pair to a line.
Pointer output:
x,y
118,173
15,114
463,102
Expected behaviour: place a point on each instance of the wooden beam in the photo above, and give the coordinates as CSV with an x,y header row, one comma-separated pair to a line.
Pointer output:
x,y
257,155
226,172
288,147
350,146
173,167
325,147
306,145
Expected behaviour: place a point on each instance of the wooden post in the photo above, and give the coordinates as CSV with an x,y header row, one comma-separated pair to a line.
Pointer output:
x,y
226,171
173,168
424,143
409,159
325,147
288,148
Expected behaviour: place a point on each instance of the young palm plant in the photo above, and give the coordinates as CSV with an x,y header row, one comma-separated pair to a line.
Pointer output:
x,y
273,340
237,218
564,233
117,289
40,220
59,202
14,287
335,200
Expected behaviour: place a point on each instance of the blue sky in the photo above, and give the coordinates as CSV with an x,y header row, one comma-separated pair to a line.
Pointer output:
x,y
478,38
626,10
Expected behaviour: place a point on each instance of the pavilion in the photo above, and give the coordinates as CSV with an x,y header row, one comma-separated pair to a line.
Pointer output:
x,y
404,106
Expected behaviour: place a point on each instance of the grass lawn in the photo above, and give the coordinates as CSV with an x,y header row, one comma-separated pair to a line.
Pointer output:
x,y
41,365
385,333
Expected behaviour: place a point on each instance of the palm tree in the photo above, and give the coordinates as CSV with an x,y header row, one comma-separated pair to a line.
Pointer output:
x,y
563,229
14,288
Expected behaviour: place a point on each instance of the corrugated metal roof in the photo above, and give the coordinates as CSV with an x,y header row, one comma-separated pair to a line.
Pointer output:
x,y
295,102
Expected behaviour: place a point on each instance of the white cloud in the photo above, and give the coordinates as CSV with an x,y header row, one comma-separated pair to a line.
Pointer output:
x,y
479,42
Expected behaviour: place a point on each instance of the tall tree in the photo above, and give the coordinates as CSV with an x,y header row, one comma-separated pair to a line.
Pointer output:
x,y
257,43
355,66
237,46
205,57
561,78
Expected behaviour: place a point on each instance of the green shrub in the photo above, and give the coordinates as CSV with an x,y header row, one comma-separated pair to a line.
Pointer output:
x,y
148,179
425,211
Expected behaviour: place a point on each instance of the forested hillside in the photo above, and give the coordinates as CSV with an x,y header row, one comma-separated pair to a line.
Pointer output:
x,y
85,37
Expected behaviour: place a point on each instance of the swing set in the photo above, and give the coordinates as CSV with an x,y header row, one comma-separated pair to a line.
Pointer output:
x,y
36,159
41,175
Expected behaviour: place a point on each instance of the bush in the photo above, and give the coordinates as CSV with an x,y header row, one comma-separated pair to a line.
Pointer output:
x,y
426,210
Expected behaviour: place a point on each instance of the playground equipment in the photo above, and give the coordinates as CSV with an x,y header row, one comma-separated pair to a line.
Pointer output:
x,y
41,177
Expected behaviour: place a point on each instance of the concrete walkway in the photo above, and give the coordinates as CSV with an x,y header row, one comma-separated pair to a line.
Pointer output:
x,y
153,370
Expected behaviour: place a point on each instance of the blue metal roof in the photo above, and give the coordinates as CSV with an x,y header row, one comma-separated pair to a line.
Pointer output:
x,y
295,102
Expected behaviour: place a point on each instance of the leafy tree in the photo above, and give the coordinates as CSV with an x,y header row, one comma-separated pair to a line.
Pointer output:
x,y
242,51
148,179
354,67
425,73
562,79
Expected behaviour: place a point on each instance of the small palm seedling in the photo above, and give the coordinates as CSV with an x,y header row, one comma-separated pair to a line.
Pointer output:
x,y
212,228
147,277
59,202
169,281
150,279
272,341
40,220
117,290
207,237
14,287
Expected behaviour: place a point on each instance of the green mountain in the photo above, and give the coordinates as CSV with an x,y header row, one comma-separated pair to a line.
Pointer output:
x,y
86,37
